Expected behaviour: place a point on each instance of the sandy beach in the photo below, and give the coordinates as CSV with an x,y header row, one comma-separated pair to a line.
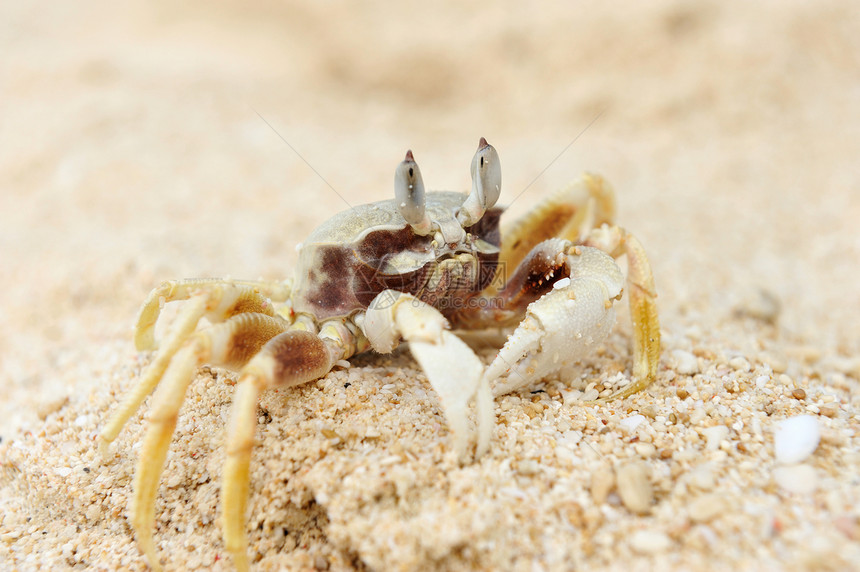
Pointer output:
x,y
144,141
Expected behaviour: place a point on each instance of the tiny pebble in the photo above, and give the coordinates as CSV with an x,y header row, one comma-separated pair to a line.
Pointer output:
x,y
64,471
763,305
645,450
829,410
800,479
685,362
706,507
51,406
798,394
702,477
11,535
796,438
650,542
848,526
629,424
714,436
634,487
590,395
698,415
93,512
650,411
602,483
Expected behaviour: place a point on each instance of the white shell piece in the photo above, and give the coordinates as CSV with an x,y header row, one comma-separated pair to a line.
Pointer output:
x,y
796,438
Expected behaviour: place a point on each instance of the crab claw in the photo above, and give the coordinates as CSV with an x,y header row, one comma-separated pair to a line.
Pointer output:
x,y
452,368
562,326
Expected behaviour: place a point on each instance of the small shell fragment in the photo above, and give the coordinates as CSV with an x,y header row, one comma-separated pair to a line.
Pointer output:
x,y
795,439
634,487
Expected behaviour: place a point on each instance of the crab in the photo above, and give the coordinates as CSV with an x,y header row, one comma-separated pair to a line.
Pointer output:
x,y
415,268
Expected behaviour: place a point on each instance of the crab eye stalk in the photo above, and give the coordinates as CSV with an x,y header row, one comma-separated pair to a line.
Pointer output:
x,y
486,184
486,174
409,194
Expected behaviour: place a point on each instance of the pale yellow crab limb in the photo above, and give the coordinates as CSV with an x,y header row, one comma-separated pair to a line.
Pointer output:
x,y
643,314
229,343
162,422
215,299
568,213
257,294
564,325
235,488
292,358
183,327
452,368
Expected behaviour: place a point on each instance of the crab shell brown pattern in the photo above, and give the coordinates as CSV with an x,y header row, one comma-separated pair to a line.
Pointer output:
x,y
346,262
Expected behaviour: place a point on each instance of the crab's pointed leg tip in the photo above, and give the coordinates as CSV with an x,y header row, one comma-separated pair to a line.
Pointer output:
x,y
482,143
241,562
409,156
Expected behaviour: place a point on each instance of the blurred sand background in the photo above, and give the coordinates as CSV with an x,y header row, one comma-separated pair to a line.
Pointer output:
x,y
132,151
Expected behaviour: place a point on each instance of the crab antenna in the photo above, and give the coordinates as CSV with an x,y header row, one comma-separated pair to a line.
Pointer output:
x,y
486,184
409,195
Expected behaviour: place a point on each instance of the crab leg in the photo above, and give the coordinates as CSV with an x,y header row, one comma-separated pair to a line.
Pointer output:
x,y
229,343
643,306
180,330
144,333
568,213
291,358
215,299
564,324
452,368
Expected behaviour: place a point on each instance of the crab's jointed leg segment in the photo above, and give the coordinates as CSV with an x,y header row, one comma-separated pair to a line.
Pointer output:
x,y
292,358
215,299
452,368
643,305
256,293
183,327
568,213
229,343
